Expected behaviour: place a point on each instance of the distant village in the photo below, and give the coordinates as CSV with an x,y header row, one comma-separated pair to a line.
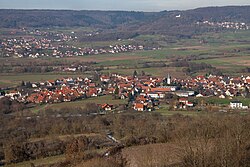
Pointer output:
x,y
46,44
227,25
143,93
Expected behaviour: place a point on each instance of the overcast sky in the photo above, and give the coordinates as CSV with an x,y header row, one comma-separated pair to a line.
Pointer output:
x,y
130,5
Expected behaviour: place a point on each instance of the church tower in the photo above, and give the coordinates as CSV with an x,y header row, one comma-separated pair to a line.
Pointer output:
x,y
168,80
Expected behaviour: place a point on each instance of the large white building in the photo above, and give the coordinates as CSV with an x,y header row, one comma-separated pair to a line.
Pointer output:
x,y
237,105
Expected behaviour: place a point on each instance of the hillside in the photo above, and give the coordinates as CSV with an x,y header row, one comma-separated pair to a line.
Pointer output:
x,y
165,22
67,18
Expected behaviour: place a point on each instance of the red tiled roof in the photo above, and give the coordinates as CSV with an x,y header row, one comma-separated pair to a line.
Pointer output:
x,y
138,105
160,89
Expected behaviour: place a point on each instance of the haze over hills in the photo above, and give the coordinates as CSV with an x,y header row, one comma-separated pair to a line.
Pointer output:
x,y
153,22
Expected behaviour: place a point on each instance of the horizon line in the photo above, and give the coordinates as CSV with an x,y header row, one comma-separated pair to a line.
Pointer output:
x,y
121,10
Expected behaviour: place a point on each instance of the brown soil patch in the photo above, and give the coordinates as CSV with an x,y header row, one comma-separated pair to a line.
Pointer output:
x,y
152,155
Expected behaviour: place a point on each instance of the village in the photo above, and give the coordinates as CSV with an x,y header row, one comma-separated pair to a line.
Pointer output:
x,y
226,25
143,93
39,44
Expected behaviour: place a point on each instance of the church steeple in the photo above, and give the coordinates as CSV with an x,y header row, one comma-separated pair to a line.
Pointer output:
x,y
168,79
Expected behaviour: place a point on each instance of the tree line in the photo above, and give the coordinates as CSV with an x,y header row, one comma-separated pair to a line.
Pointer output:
x,y
214,139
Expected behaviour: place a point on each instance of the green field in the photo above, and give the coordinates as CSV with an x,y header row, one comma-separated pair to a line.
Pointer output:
x,y
226,102
153,71
164,110
227,51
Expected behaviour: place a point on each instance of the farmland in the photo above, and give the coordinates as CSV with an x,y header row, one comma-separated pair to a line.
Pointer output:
x,y
218,50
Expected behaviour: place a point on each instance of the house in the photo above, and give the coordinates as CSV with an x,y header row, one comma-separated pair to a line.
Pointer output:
x,y
105,78
92,85
230,92
199,95
92,92
247,80
139,107
237,105
163,89
222,96
124,86
183,100
34,85
107,107
156,95
182,93
200,77
50,83
13,94
70,69
185,103
189,104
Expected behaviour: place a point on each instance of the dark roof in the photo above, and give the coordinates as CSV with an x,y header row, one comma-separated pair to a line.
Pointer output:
x,y
236,101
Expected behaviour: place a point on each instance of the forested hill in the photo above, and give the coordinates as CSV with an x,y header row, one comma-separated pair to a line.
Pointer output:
x,y
69,18
162,22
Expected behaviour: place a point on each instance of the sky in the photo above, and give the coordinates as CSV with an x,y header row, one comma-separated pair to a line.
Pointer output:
x,y
128,5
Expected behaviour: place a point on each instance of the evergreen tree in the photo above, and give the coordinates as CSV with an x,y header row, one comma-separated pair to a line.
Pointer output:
x,y
135,74
143,73
116,92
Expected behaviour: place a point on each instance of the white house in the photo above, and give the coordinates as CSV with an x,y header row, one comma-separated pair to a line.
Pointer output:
x,y
13,94
222,96
237,105
200,95
182,93
105,78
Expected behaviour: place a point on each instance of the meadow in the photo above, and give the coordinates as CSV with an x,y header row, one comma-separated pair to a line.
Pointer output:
x,y
227,51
